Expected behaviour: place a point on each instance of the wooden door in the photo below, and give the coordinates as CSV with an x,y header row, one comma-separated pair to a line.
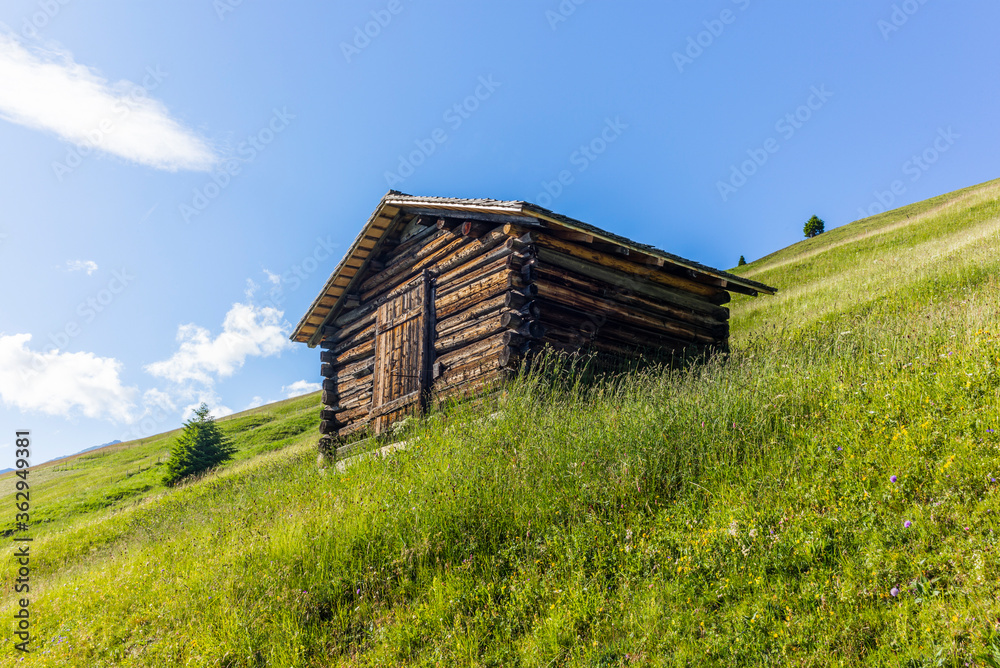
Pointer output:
x,y
401,362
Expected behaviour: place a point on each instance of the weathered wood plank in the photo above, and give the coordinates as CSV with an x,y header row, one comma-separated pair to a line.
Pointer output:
x,y
625,266
635,305
412,269
583,329
463,373
633,283
472,251
479,310
403,259
364,349
494,343
486,285
473,331
472,386
557,293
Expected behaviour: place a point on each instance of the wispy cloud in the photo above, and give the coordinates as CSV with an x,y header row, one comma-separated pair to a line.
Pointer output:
x,y
202,359
88,266
300,387
247,331
47,90
64,384
256,402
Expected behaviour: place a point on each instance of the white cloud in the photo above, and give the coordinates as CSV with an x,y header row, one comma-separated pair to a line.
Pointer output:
x,y
300,387
247,331
88,266
64,384
47,90
156,398
274,278
215,409
256,402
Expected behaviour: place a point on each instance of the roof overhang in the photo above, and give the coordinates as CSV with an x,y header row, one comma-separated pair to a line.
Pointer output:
x,y
394,204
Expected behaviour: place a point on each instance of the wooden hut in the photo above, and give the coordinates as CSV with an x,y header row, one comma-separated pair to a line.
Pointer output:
x,y
440,296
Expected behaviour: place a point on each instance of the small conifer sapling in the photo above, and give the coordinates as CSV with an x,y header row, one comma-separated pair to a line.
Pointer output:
x,y
200,447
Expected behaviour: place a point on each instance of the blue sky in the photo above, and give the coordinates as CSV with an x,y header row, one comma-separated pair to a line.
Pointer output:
x,y
178,179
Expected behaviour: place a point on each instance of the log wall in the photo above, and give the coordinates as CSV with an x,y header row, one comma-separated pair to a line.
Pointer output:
x,y
496,292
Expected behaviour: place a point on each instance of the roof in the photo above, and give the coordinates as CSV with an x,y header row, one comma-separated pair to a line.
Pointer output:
x,y
395,204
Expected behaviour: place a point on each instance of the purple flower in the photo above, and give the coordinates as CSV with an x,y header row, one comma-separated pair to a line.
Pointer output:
x,y
894,592
907,524
892,478
839,449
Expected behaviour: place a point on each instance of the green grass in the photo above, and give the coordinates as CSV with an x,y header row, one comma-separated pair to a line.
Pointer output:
x,y
64,490
737,513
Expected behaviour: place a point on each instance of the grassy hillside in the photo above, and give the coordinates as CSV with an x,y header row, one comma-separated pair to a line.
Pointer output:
x,y
827,496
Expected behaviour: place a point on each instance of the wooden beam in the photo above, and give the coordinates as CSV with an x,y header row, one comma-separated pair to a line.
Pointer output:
x,y
629,283
627,266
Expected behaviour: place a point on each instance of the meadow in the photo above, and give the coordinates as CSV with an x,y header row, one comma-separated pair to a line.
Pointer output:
x,y
826,495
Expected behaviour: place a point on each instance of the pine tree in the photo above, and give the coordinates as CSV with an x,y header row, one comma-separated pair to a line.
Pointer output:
x,y
813,227
742,261
201,446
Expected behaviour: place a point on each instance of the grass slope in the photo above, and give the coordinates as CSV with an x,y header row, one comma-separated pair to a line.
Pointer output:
x,y
827,496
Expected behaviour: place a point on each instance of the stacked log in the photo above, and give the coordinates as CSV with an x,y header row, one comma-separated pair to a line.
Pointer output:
x,y
481,317
498,292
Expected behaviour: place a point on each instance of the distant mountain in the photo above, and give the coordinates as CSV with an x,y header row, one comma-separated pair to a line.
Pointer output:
x,y
93,447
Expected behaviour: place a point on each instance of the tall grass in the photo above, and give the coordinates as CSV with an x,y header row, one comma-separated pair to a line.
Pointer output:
x,y
751,510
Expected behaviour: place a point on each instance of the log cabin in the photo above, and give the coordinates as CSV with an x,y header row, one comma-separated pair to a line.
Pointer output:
x,y
440,297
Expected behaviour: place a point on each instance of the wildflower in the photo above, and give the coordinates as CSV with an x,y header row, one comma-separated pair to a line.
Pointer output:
x,y
892,478
907,524
839,449
894,592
